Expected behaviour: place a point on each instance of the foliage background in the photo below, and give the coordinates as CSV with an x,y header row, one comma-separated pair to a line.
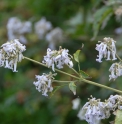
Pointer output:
x,y
20,102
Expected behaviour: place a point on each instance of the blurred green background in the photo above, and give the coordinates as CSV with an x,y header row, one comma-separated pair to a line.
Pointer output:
x,y
81,22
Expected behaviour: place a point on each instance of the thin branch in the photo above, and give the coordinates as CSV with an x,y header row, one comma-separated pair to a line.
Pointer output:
x,y
47,67
57,81
81,79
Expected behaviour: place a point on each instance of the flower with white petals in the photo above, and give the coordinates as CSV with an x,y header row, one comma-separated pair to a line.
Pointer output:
x,y
17,29
44,83
116,71
54,37
75,103
114,102
93,111
106,49
111,102
58,58
11,53
42,27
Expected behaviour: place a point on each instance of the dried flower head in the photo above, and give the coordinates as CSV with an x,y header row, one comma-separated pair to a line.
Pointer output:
x,y
11,53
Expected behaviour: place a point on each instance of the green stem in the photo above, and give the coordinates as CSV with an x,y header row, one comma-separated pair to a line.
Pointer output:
x,y
78,66
47,67
100,85
75,71
57,81
118,57
81,79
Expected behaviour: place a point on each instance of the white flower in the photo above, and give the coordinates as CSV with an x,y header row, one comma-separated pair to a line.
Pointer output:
x,y
114,102
42,27
116,71
111,102
25,27
11,53
44,83
93,111
75,103
54,37
58,58
17,29
106,49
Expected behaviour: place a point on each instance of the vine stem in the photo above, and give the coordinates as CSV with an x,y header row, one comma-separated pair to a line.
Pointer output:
x,y
100,85
75,71
57,81
79,78
63,81
47,67
118,57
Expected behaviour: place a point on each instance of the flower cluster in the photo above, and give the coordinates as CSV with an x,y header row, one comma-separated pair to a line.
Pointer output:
x,y
116,71
106,49
58,58
17,29
95,110
54,37
11,53
42,27
44,83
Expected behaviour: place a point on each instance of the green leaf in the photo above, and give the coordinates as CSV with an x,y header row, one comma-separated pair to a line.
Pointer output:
x,y
84,75
72,87
101,15
76,55
118,119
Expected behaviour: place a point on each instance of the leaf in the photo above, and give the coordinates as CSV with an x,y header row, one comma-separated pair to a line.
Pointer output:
x,y
76,55
72,87
84,75
99,17
118,119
